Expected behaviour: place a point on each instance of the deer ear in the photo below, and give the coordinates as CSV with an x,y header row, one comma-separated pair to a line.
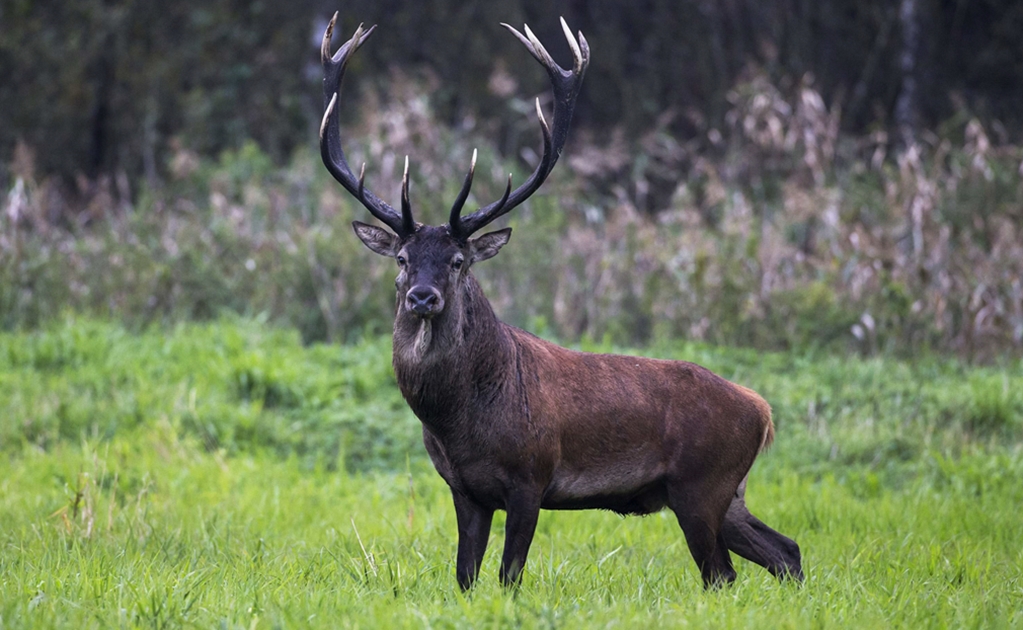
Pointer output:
x,y
489,244
377,239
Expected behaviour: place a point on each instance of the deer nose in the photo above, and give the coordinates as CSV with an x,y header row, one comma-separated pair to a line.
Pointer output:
x,y
424,301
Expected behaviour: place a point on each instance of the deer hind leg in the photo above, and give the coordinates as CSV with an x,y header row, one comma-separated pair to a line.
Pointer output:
x,y
700,509
747,536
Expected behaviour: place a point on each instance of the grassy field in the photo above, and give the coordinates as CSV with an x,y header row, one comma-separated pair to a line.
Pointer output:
x,y
223,475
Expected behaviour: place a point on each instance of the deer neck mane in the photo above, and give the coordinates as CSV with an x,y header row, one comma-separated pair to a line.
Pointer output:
x,y
442,365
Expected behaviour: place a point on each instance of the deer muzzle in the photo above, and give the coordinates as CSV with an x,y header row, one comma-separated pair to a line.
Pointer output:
x,y
424,302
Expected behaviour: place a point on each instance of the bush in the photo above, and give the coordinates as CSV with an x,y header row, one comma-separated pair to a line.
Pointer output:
x,y
790,239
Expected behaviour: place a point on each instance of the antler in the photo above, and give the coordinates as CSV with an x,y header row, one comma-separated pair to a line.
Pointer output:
x,y
330,135
566,86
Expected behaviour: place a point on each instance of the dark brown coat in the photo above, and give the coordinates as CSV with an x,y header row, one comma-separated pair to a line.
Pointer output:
x,y
517,423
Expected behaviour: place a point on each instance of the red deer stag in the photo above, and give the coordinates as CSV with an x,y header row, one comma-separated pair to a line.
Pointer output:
x,y
515,423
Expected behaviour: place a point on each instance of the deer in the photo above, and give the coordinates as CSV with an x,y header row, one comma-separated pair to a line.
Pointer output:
x,y
516,423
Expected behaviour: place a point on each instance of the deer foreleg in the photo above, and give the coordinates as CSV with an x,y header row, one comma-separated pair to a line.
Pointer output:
x,y
473,533
523,513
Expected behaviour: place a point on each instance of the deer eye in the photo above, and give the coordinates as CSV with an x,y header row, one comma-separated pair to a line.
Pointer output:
x,y
456,264
401,261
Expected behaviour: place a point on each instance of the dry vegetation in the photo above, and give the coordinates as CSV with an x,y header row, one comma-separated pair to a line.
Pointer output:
x,y
774,231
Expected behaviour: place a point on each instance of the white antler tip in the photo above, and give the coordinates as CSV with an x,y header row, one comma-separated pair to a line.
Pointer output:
x,y
577,54
532,37
326,115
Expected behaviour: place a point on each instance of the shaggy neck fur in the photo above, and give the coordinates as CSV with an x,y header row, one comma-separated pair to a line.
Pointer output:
x,y
453,362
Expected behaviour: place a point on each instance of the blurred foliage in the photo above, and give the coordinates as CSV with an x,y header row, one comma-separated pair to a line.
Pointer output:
x,y
98,87
714,188
794,237
108,86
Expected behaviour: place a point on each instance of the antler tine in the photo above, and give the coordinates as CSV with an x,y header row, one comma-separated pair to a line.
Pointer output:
x,y
327,35
565,85
407,224
525,40
541,55
580,49
454,221
330,133
507,191
544,128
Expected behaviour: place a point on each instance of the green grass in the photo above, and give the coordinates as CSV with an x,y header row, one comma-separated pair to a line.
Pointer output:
x,y
231,384
222,475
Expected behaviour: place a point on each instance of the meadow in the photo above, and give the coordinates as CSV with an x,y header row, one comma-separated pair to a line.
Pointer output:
x,y
199,425
224,474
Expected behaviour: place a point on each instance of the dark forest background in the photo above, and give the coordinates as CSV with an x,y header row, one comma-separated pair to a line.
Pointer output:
x,y
97,86
710,144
